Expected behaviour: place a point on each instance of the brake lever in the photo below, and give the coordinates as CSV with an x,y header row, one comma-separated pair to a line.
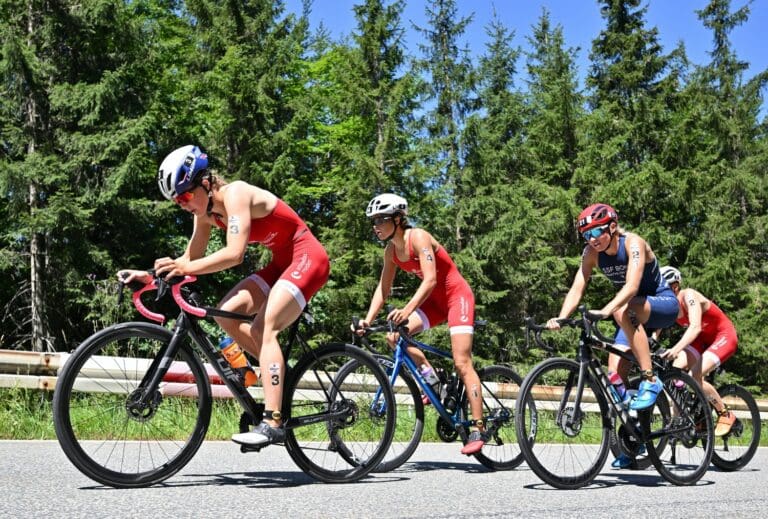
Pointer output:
x,y
121,287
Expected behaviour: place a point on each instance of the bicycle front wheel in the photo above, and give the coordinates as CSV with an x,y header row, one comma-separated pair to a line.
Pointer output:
x,y
110,428
500,386
410,418
736,448
566,446
689,433
340,413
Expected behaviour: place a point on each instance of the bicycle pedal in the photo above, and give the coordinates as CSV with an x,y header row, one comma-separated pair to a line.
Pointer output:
x,y
245,448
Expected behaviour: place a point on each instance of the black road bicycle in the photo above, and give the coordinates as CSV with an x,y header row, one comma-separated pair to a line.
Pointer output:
x,y
133,402
736,448
566,412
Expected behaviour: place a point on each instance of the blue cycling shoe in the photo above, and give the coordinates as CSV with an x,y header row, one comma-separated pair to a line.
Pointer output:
x,y
622,461
646,395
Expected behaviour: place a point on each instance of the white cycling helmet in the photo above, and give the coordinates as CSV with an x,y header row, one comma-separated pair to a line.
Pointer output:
x,y
179,170
387,203
671,274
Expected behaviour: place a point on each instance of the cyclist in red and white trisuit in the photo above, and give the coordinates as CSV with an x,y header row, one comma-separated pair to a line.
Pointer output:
x,y
709,340
277,293
442,295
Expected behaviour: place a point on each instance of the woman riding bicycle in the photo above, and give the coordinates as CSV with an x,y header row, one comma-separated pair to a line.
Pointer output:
x,y
277,293
643,297
709,340
443,294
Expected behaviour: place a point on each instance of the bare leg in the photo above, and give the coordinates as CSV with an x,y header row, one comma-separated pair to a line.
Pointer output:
x,y
281,310
461,347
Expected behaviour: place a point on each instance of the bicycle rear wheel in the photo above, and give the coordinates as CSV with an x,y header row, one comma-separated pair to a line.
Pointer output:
x,y
734,450
500,389
686,456
565,446
349,419
104,427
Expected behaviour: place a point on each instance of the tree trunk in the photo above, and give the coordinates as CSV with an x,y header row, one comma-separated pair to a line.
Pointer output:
x,y
37,245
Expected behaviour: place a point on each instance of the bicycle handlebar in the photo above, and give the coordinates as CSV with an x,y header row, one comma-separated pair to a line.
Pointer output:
x,y
587,322
176,284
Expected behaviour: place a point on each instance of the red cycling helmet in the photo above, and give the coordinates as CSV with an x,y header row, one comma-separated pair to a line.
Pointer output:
x,y
596,215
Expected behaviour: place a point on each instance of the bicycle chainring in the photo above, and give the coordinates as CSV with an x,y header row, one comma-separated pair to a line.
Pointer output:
x,y
628,444
446,431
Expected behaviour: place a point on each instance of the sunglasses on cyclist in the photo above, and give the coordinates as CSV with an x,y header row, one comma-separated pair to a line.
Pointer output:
x,y
378,220
184,198
595,232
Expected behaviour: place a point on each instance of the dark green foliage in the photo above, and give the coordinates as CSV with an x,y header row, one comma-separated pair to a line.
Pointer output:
x,y
496,155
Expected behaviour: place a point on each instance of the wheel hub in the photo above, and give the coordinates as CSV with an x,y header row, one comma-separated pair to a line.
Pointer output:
x,y
142,409
348,411
570,422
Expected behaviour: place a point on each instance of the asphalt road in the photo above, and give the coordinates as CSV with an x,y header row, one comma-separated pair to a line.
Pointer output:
x,y
37,480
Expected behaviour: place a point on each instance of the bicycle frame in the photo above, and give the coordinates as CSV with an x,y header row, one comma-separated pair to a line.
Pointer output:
x,y
590,339
401,358
187,324
589,363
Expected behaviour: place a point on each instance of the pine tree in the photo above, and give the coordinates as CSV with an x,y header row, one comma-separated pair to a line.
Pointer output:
x,y
73,117
450,79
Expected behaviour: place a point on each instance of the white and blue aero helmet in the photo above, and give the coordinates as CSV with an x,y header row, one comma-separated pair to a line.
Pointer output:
x,y
180,169
387,203
671,274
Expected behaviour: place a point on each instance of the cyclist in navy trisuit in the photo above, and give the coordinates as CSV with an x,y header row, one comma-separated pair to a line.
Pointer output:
x,y
644,298
277,293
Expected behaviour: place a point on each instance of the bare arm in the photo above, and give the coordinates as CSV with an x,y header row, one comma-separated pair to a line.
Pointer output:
x,y
384,287
237,203
694,303
579,285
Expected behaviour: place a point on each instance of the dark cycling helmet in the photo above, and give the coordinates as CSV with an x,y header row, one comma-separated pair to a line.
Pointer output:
x,y
671,274
387,203
180,169
596,215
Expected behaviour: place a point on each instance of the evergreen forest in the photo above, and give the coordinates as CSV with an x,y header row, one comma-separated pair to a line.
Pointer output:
x,y
496,153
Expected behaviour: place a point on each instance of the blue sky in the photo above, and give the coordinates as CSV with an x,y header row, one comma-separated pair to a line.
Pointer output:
x,y
581,22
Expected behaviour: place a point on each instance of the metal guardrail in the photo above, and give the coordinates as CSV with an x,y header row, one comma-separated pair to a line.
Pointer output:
x,y
34,370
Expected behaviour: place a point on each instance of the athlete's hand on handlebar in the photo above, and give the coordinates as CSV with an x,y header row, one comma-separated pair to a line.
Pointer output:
x,y
170,268
553,324
358,326
126,276
398,316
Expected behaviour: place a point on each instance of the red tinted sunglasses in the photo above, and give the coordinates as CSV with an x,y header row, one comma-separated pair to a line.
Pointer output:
x,y
184,198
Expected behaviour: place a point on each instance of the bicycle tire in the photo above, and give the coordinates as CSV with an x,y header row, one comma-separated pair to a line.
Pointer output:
x,y
346,447
734,450
104,434
563,449
410,415
622,443
686,457
500,386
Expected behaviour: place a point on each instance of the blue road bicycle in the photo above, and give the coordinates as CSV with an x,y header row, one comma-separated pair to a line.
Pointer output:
x,y
500,386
